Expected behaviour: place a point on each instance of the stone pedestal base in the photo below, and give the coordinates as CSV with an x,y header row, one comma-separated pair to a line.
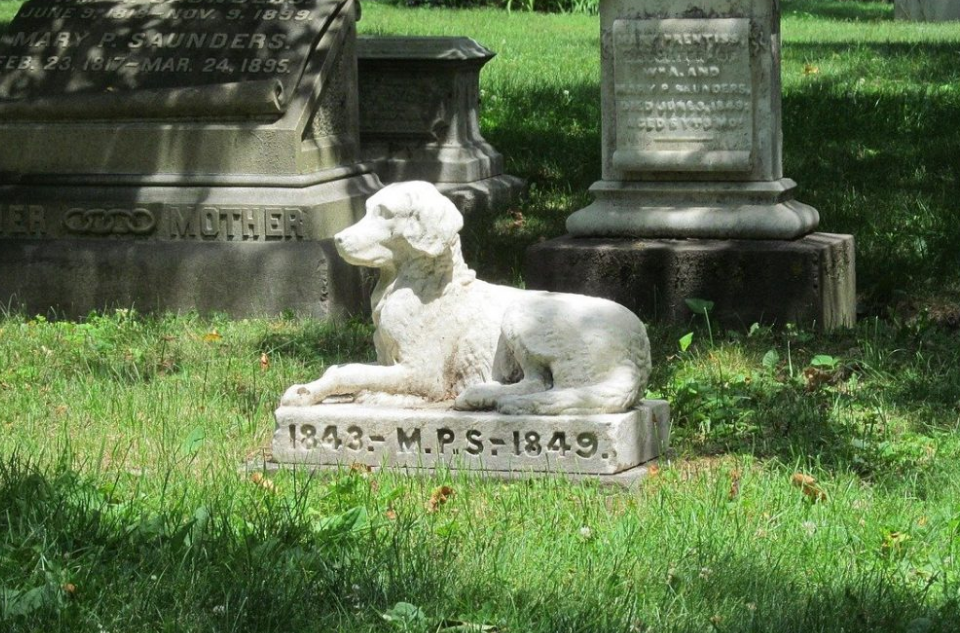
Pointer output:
x,y
709,210
420,119
70,278
809,281
344,434
926,10
245,250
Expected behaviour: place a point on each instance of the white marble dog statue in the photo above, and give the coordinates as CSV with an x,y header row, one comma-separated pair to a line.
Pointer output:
x,y
442,334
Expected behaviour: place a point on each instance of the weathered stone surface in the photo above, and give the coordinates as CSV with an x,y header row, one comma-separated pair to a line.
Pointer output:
x,y
65,49
443,334
419,117
228,128
690,91
241,250
419,100
806,281
691,124
691,135
683,95
927,10
345,434
752,210
71,277
227,105
183,213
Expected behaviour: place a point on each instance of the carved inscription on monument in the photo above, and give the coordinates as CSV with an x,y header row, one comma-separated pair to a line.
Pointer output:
x,y
233,222
23,220
343,442
346,433
58,47
684,96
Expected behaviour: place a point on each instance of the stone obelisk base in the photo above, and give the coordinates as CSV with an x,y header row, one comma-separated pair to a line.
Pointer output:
x,y
809,281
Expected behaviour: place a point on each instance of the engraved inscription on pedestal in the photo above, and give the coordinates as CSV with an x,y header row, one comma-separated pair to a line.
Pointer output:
x,y
344,434
343,442
684,97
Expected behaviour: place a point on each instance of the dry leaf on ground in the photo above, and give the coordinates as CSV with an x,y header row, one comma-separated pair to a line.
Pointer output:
x,y
734,485
261,480
439,497
363,469
808,485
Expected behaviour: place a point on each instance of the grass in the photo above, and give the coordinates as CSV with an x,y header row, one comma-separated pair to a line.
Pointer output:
x,y
122,506
124,509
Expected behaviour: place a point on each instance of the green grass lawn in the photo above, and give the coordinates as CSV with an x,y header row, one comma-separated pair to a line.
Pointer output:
x,y
123,509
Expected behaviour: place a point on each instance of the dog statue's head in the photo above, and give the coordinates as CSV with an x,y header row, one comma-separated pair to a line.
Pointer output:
x,y
412,214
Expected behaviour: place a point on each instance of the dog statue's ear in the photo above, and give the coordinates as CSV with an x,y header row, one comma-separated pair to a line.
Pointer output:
x,y
434,223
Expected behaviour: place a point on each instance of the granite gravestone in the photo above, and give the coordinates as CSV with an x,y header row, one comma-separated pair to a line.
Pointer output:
x,y
693,202
927,10
420,119
179,155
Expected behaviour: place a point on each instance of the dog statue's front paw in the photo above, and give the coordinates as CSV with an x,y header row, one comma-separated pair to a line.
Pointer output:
x,y
512,406
472,399
298,396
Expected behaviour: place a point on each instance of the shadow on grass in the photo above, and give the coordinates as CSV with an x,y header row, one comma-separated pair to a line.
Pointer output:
x,y
77,558
83,557
80,557
881,164
857,10
891,399
551,138
325,342
803,600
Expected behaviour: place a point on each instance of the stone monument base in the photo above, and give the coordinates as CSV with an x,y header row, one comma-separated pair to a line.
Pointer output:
x,y
926,10
249,249
708,210
808,281
437,436
420,120
69,278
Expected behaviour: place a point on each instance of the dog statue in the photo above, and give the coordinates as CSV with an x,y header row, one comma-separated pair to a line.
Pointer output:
x,y
442,334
